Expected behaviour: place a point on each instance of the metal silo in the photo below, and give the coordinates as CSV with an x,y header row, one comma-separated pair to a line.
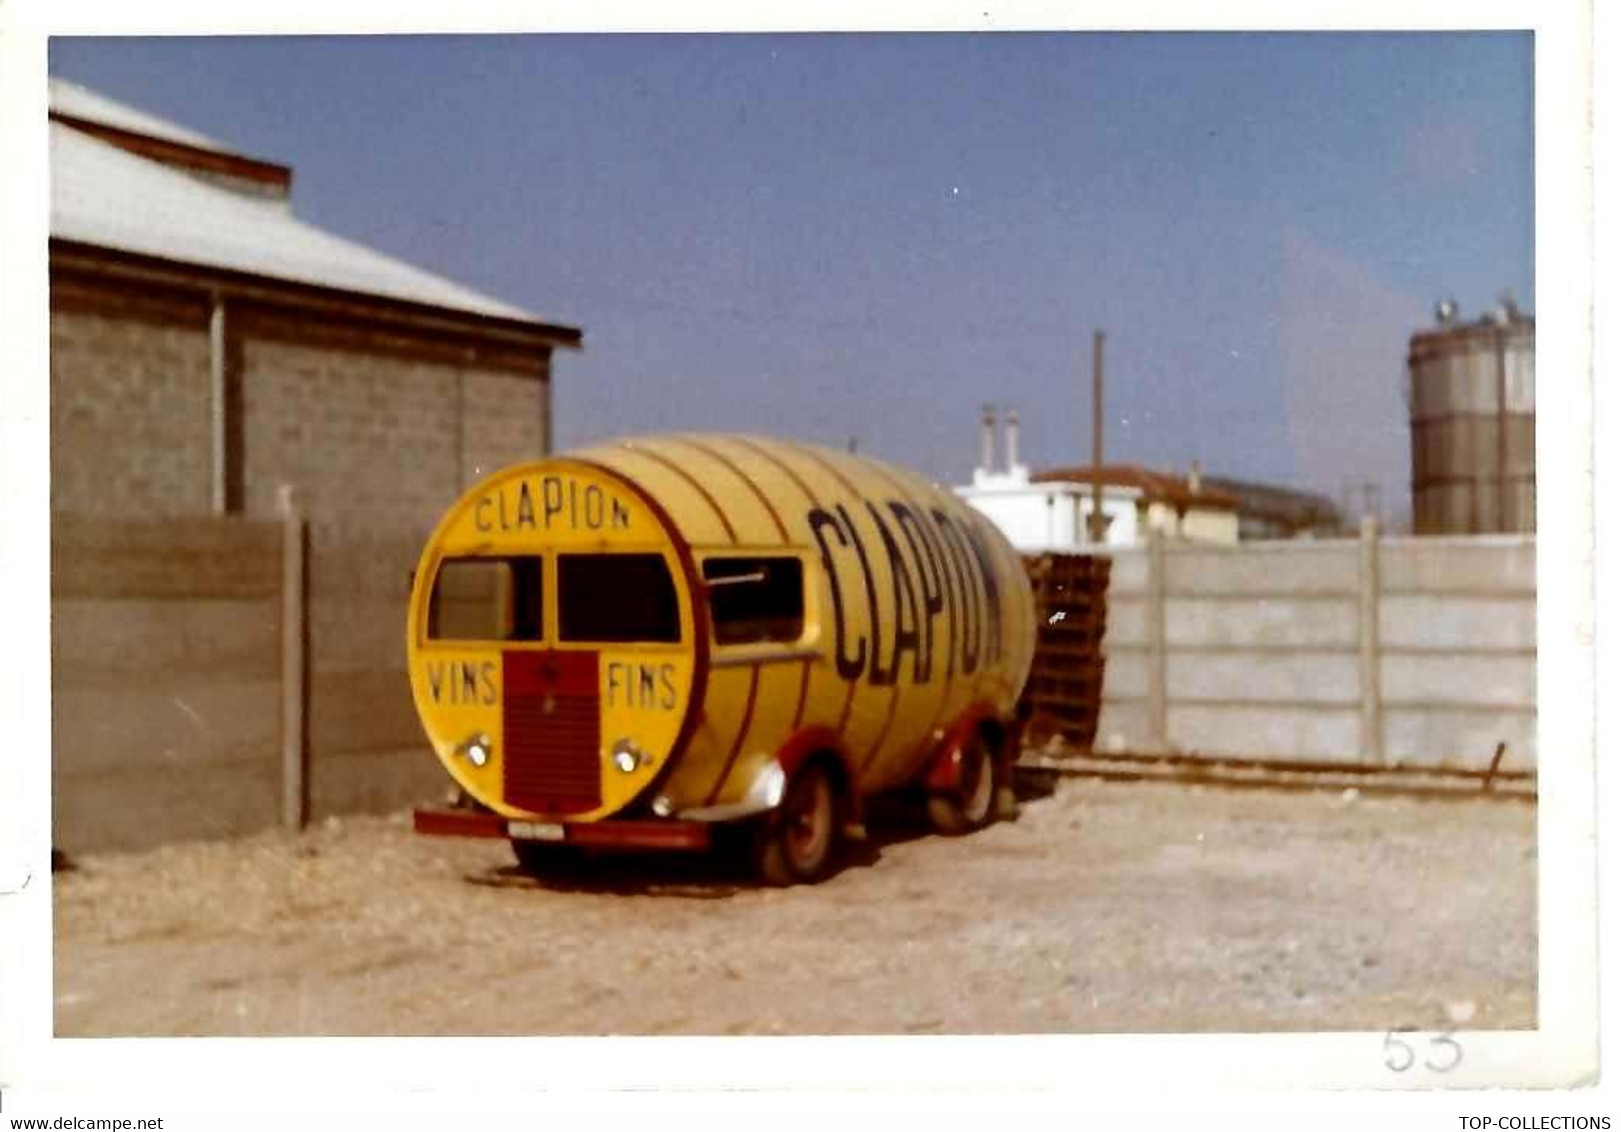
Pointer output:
x,y
1471,397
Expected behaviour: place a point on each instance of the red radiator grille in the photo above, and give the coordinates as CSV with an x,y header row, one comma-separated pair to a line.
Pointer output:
x,y
551,722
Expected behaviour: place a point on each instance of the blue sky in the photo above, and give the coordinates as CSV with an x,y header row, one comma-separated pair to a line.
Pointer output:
x,y
868,236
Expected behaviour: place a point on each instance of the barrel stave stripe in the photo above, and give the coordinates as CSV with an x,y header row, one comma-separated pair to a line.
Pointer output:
x,y
692,481
747,481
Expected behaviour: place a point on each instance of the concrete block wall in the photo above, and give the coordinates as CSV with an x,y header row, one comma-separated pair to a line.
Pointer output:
x,y
503,421
1409,652
369,441
130,419
165,679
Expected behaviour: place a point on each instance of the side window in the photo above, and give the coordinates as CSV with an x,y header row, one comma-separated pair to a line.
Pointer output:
x,y
754,600
617,599
486,599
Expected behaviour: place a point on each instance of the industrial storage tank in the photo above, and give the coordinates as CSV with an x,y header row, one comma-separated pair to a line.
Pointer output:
x,y
1472,403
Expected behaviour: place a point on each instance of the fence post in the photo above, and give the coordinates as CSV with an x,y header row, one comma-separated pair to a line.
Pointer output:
x,y
295,795
219,410
1158,713
1373,729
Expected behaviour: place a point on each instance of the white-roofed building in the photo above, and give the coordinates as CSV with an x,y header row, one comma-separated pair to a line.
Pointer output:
x,y
87,110
186,298
209,346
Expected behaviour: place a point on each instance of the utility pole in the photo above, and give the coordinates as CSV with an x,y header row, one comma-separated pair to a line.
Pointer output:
x,y
1499,340
1372,500
1097,525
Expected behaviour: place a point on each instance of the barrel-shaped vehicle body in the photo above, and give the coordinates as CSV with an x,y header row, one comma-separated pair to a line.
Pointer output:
x,y
629,642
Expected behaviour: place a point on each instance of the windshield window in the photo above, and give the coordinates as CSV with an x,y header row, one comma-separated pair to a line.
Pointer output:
x,y
486,599
616,598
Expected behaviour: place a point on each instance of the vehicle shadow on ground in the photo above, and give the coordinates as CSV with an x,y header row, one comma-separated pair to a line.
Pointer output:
x,y
724,870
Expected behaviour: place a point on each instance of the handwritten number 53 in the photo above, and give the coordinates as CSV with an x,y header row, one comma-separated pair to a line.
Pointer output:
x,y
1444,1055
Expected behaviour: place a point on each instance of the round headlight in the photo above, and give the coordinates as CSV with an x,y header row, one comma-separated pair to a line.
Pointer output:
x,y
476,749
626,755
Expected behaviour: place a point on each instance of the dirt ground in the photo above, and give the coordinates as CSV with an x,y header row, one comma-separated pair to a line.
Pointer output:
x,y
1107,907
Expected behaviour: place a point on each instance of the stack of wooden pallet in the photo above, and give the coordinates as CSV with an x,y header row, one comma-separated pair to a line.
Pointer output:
x,y
1065,689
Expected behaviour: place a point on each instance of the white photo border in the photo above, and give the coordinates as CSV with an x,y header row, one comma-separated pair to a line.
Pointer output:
x,y
1561,1052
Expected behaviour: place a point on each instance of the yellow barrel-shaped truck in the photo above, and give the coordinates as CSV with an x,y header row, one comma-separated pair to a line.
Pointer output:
x,y
636,643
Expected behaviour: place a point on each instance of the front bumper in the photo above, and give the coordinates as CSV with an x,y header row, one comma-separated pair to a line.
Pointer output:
x,y
669,833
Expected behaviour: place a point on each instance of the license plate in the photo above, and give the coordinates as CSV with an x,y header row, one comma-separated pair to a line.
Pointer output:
x,y
535,830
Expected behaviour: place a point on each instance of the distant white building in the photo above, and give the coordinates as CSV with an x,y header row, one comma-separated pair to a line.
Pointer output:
x,y
1050,511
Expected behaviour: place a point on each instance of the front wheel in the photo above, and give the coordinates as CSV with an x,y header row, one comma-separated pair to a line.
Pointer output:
x,y
798,842
970,805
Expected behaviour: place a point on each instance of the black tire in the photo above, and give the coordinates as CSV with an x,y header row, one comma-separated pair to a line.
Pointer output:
x,y
798,843
973,804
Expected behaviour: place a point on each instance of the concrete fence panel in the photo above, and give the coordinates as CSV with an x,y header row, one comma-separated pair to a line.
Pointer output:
x,y
162,722
357,633
1491,564
1260,623
1265,732
366,712
1128,574
1383,652
165,679
161,559
1456,678
137,808
1299,677
1125,674
368,749
1460,738
1261,570
212,676
1123,725
1128,620
1440,621
134,636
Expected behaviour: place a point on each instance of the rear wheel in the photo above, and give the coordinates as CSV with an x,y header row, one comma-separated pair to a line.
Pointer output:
x,y
798,842
970,805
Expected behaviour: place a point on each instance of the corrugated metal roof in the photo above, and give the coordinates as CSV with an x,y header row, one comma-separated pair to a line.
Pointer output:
x,y
104,196
81,102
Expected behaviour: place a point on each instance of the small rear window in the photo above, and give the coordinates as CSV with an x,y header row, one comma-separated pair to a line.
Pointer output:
x,y
756,600
486,599
616,599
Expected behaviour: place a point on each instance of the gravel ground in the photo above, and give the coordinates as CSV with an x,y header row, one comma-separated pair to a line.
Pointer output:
x,y
1107,907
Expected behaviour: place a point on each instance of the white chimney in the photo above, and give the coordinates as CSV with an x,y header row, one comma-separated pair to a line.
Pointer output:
x,y
1012,441
987,440
1195,478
